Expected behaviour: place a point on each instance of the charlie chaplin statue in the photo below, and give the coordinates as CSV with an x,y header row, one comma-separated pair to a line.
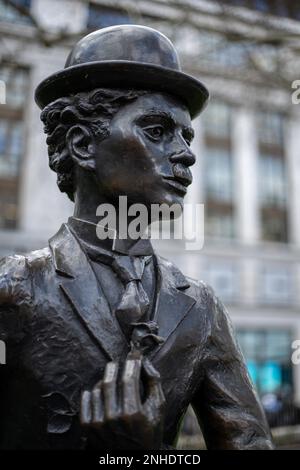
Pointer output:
x,y
107,342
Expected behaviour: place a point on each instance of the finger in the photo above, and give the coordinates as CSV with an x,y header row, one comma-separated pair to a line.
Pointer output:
x,y
152,373
97,404
134,354
131,399
109,388
85,408
155,395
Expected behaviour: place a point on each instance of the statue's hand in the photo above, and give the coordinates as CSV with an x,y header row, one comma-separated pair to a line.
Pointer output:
x,y
126,414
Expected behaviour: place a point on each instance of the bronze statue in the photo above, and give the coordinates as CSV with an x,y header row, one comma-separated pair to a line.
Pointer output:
x,y
107,342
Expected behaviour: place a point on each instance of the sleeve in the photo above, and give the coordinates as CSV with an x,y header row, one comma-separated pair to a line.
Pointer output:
x,y
226,405
15,293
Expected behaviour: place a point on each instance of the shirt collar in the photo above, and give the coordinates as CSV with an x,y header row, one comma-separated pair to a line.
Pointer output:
x,y
86,232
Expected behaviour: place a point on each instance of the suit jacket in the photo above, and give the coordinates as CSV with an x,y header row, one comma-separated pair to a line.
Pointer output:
x,y
60,333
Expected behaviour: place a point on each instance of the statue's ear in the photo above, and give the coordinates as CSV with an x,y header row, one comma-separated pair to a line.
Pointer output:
x,y
81,146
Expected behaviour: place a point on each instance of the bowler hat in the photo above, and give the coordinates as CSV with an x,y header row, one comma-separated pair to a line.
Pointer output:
x,y
124,56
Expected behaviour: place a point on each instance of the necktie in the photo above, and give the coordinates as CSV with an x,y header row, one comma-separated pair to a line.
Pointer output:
x,y
134,301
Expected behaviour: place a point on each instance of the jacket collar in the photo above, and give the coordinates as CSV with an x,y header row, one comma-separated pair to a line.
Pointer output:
x,y
87,232
173,302
82,290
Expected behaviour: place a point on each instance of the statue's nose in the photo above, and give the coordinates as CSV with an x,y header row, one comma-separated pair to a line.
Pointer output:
x,y
186,157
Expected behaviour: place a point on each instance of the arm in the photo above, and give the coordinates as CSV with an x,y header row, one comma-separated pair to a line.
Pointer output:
x,y
11,275
15,293
226,404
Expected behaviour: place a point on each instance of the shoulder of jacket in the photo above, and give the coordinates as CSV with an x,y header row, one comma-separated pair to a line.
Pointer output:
x,y
15,276
201,290
209,302
197,288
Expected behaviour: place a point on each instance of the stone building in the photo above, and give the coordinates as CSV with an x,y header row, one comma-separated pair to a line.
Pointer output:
x,y
247,143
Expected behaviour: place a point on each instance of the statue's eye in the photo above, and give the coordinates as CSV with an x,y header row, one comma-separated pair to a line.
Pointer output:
x,y
154,132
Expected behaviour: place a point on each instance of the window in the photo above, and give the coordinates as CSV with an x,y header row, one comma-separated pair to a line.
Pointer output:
x,y
11,142
273,188
281,8
100,16
10,145
270,128
218,171
223,279
276,285
289,8
219,184
216,120
267,353
218,223
214,51
261,5
9,13
274,225
295,10
16,80
273,179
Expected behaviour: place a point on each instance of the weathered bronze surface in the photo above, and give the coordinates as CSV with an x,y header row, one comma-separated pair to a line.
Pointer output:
x,y
107,342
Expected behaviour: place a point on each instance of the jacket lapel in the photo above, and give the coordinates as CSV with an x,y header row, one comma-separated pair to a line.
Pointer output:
x,y
81,288
172,304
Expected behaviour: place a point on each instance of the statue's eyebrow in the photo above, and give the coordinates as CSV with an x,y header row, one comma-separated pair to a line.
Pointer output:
x,y
151,116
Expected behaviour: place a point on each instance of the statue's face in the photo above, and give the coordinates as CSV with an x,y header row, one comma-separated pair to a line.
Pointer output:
x,y
147,154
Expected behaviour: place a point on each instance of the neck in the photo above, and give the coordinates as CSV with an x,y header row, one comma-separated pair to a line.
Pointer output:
x,y
88,198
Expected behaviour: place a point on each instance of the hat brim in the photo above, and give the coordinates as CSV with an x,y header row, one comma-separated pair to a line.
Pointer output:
x,y
123,74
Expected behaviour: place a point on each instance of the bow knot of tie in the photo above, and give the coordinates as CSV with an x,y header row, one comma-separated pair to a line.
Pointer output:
x,y
144,337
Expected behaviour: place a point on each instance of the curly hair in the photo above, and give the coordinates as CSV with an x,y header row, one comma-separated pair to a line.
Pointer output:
x,y
94,109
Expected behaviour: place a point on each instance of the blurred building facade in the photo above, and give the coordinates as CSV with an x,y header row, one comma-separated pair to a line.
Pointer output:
x,y
247,171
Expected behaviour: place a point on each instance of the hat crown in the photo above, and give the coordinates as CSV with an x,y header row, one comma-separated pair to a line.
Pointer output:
x,y
132,43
